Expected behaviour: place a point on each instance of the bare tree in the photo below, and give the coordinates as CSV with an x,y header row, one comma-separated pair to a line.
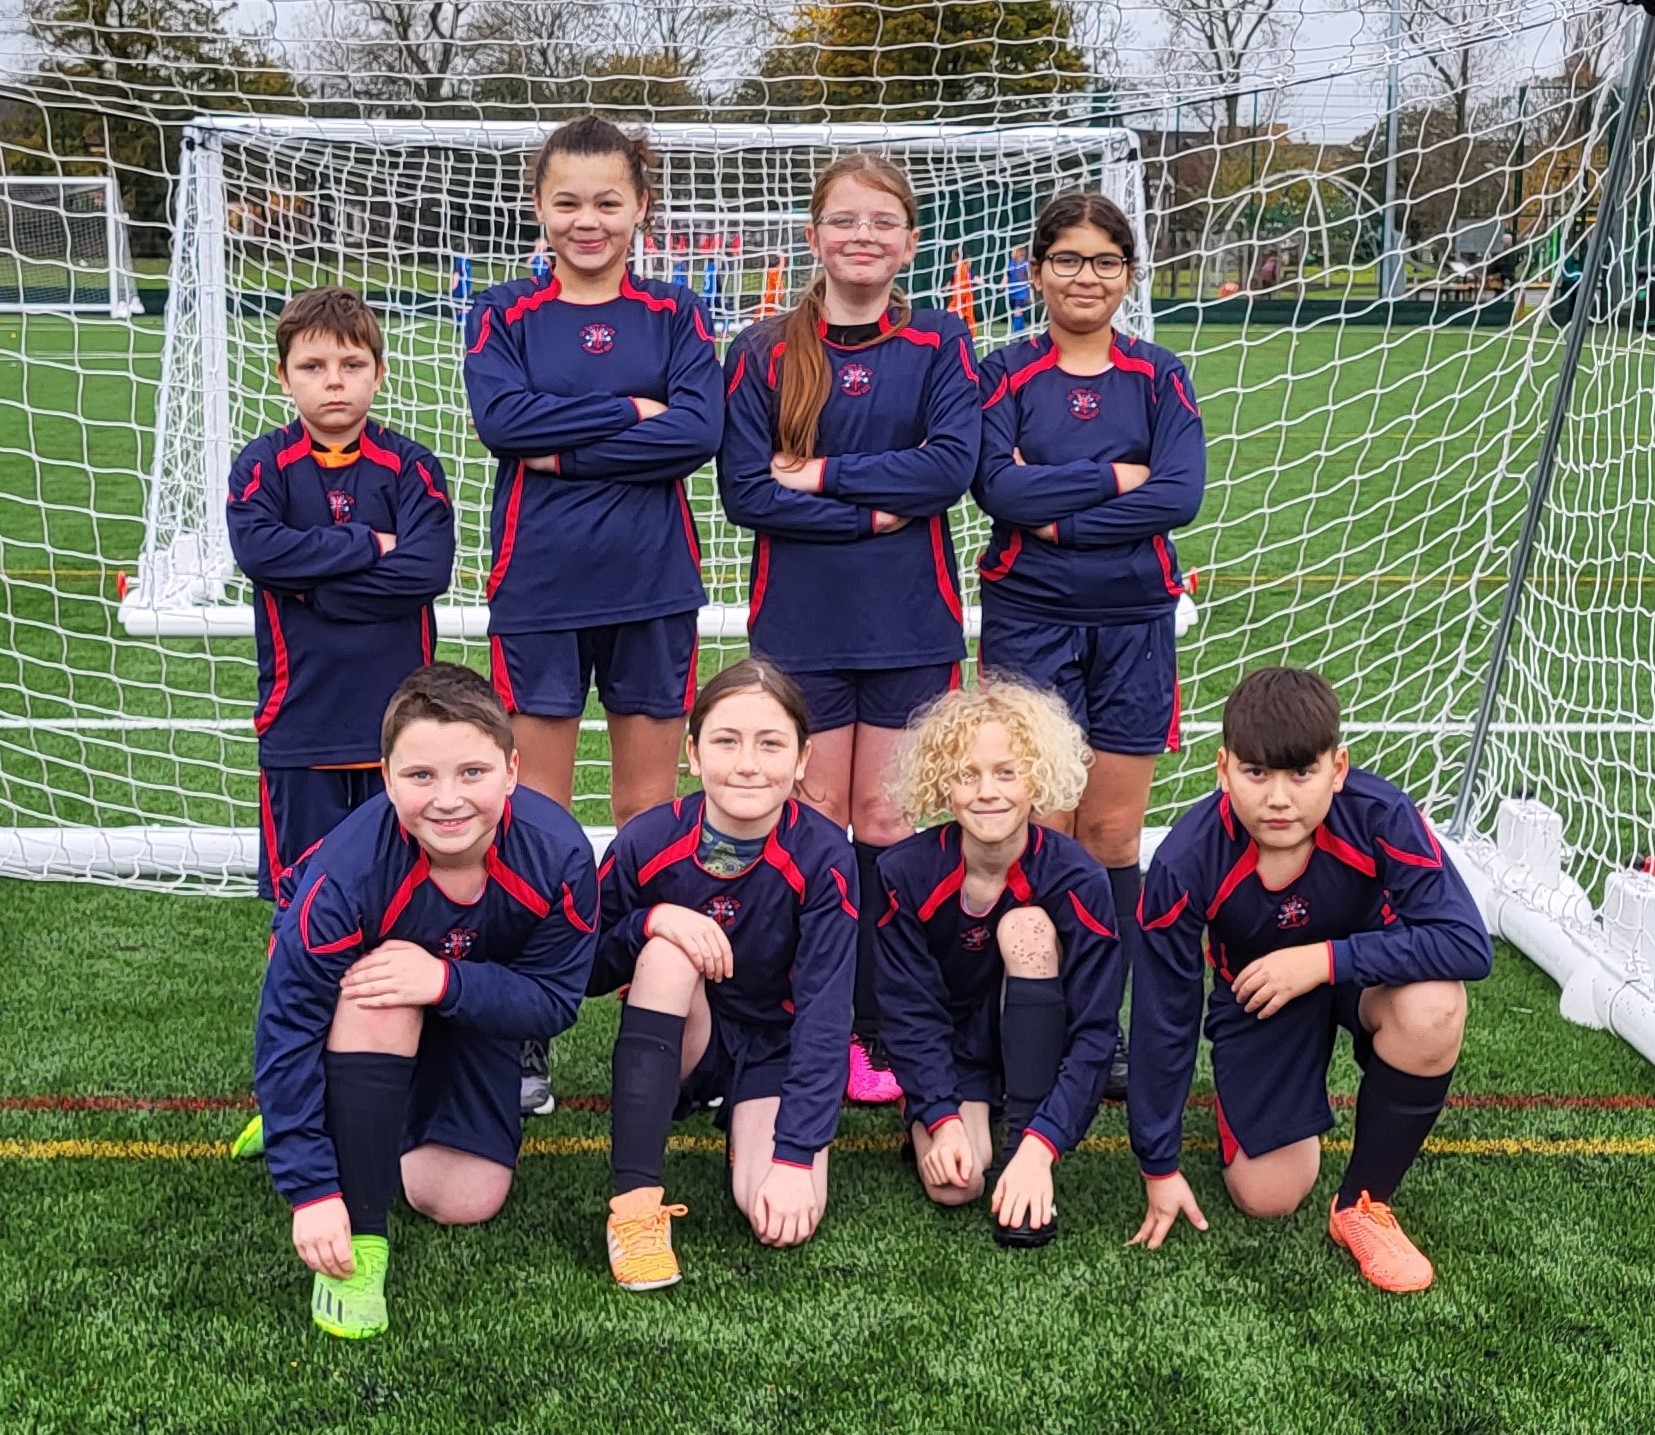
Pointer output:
x,y
1453,39
422,50
1210,42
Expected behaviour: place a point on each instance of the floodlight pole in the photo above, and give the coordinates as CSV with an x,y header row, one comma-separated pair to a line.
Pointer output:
x,y
1614,183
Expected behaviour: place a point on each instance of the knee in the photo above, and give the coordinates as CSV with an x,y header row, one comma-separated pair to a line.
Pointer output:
x,y
664,973
1113,840
1424,1023
1264,1202
1028,943
874,821
470,1207
394,1030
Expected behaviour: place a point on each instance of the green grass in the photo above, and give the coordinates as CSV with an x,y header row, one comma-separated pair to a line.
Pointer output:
x,y
162,1295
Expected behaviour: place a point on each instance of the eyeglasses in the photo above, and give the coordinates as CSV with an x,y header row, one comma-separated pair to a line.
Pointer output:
x,y
1067,264
850,223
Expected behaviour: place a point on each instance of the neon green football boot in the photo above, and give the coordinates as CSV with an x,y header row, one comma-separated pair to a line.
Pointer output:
x,y
250,1143
354,1308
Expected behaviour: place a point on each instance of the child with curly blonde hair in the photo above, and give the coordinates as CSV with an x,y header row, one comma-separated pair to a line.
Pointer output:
x,y
999,970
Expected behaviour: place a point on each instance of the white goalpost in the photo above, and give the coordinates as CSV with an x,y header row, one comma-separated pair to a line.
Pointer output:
x,y
64,247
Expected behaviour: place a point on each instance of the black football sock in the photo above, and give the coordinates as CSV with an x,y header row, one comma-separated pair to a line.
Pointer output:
x,y
1033,1028
874,905
1395,1112
1125,883
644,1092
366,1105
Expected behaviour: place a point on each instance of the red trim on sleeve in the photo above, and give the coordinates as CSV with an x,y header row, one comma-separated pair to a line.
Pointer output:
x,y
1087,920
516,886
1330,969
796,1165
317,1200
606,867
1047,360
942,892
649,917
890,911
1168,579
1032,1135
572,914
844,893
945,580
266,715
253,487
384,457
735,378
967,358
530,302
1413,859
775,354
296,450
1131,363
1001,389
656,303
781,859
1008,556
508,538
339,944
1350,856
1164,1176
701,324
684,847
942,1121
1183,397
447,974
482,332
925,338
430,484
1245,866
1172,916
404,893
761,579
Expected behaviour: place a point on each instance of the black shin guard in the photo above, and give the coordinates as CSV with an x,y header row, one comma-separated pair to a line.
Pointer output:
x,y
1395,1112
866,1023
366,1106
1033,1027
644,1092
1125,885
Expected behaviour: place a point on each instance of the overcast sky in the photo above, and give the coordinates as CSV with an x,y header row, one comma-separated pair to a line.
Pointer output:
x,y
1323,78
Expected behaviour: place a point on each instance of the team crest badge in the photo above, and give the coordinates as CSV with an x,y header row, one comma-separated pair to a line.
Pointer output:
x,y
974,939
855,380
341,505
723,911
1295,912
597,338
456,944
1085,403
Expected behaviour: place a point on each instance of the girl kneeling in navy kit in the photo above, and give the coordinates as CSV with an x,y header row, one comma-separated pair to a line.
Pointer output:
x,y
851,430
732,915
999,970
1092,453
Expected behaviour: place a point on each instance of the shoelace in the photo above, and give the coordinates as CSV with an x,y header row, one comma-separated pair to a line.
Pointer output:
x,y
645,1237
1377,1211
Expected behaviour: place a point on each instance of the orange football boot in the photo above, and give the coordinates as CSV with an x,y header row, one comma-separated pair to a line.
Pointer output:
x,y
1369,1231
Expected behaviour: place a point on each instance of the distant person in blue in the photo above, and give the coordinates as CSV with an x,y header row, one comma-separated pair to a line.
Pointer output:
x,y
459,290
1019,291
540,262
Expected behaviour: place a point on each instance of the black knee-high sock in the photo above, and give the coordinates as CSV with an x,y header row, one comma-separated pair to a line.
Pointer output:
x,y
1125,883
1033,1026
644,1091
874,903
366,1104
1395,1112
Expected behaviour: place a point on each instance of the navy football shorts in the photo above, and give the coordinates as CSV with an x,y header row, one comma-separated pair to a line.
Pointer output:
x,y
1271,1076
1120,683
299,806
465,1094
880,697
643,669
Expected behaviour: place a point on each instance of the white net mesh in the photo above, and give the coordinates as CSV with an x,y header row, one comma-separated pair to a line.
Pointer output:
x,y
63,247
1369,310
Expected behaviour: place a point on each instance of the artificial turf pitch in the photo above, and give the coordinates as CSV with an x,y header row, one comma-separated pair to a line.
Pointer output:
x,y
148,1284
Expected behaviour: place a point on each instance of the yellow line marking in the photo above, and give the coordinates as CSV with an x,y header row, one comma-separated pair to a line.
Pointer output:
x,y
860,1145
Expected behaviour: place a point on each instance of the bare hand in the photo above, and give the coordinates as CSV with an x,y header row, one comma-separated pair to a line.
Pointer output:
x,y
884,522
697,936
1018,459
648,408
395,973
1048,532
387,542
951,1161
322,1237
1169,1198
1025,1186
1274,980
548,463
1129,476
802,475
785,1211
